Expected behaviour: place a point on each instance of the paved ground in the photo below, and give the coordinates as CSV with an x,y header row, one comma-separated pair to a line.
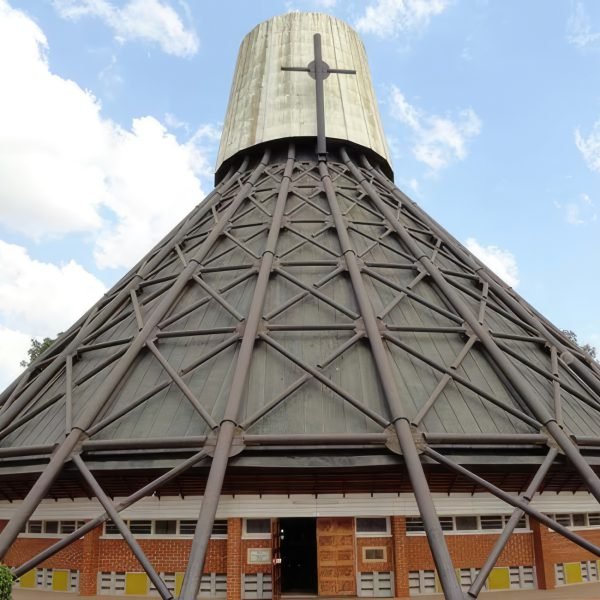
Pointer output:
x,y
587,591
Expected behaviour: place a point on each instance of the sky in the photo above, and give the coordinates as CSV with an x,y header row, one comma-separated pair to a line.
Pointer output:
x,y
110,115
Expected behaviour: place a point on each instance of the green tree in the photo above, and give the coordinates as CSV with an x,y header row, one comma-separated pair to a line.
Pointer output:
x,y
6,583
36,349
587,348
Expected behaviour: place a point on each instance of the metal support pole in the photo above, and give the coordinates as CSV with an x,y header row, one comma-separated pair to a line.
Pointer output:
x,y
472,439
115,517
208,510
324,439
126,503
524,311
105,392
94,320
514,501
214,484
433,529
519,382
513,521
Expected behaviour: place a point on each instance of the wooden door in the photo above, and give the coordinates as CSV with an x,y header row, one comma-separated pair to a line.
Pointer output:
x,y
276,560
335,555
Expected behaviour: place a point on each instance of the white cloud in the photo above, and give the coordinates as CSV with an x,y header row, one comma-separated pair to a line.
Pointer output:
x,y
41,297
38,299
146,20
13,350
502,262
590,146
437,140
579,28
62,165
153,184
51,138
387,18
326,4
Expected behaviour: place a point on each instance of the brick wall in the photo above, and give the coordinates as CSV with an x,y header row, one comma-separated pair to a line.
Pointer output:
x,y
471,550
168,555
551,548
88,576
25,548
234,559
400,556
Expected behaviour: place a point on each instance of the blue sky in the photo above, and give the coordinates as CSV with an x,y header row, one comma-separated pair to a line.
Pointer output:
x,y
110,113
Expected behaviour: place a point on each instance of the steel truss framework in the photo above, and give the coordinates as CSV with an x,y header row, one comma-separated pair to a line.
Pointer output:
x,y
307,228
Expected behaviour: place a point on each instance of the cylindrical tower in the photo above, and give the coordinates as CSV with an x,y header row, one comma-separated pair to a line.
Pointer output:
x,y
268,103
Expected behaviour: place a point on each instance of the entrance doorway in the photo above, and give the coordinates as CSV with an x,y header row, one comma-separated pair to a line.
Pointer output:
x,y
298,555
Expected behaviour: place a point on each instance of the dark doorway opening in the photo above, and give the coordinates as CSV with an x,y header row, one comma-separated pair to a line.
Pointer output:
x,y
298,556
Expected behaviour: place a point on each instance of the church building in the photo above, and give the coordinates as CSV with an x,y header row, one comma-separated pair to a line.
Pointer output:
x,y
307,388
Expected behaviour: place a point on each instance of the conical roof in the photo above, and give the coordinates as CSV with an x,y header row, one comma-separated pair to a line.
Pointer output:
x,y
156,358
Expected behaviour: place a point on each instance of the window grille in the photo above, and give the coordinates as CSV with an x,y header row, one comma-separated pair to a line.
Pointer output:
x,y
376,584
256,586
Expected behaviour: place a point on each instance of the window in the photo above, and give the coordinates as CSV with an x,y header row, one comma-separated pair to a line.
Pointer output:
x,y
492,522
67,526
563,519
220,528
466,523
414,524
165,527
374,554
50,526
140,527
34,527
110,528
577,519
257,528
580,520
372,526
187,527
594,519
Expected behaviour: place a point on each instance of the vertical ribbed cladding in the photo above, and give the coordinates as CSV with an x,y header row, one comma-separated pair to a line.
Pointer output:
x,y
268,104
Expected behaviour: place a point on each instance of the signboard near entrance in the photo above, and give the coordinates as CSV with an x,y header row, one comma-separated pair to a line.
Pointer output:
x,y
259,556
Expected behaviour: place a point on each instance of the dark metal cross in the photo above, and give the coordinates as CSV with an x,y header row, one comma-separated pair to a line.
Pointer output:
x,y
319,70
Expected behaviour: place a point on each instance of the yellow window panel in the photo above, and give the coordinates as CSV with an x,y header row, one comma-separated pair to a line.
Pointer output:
x,y
573,572
60,581
499,579
136,584
179,581
27,580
